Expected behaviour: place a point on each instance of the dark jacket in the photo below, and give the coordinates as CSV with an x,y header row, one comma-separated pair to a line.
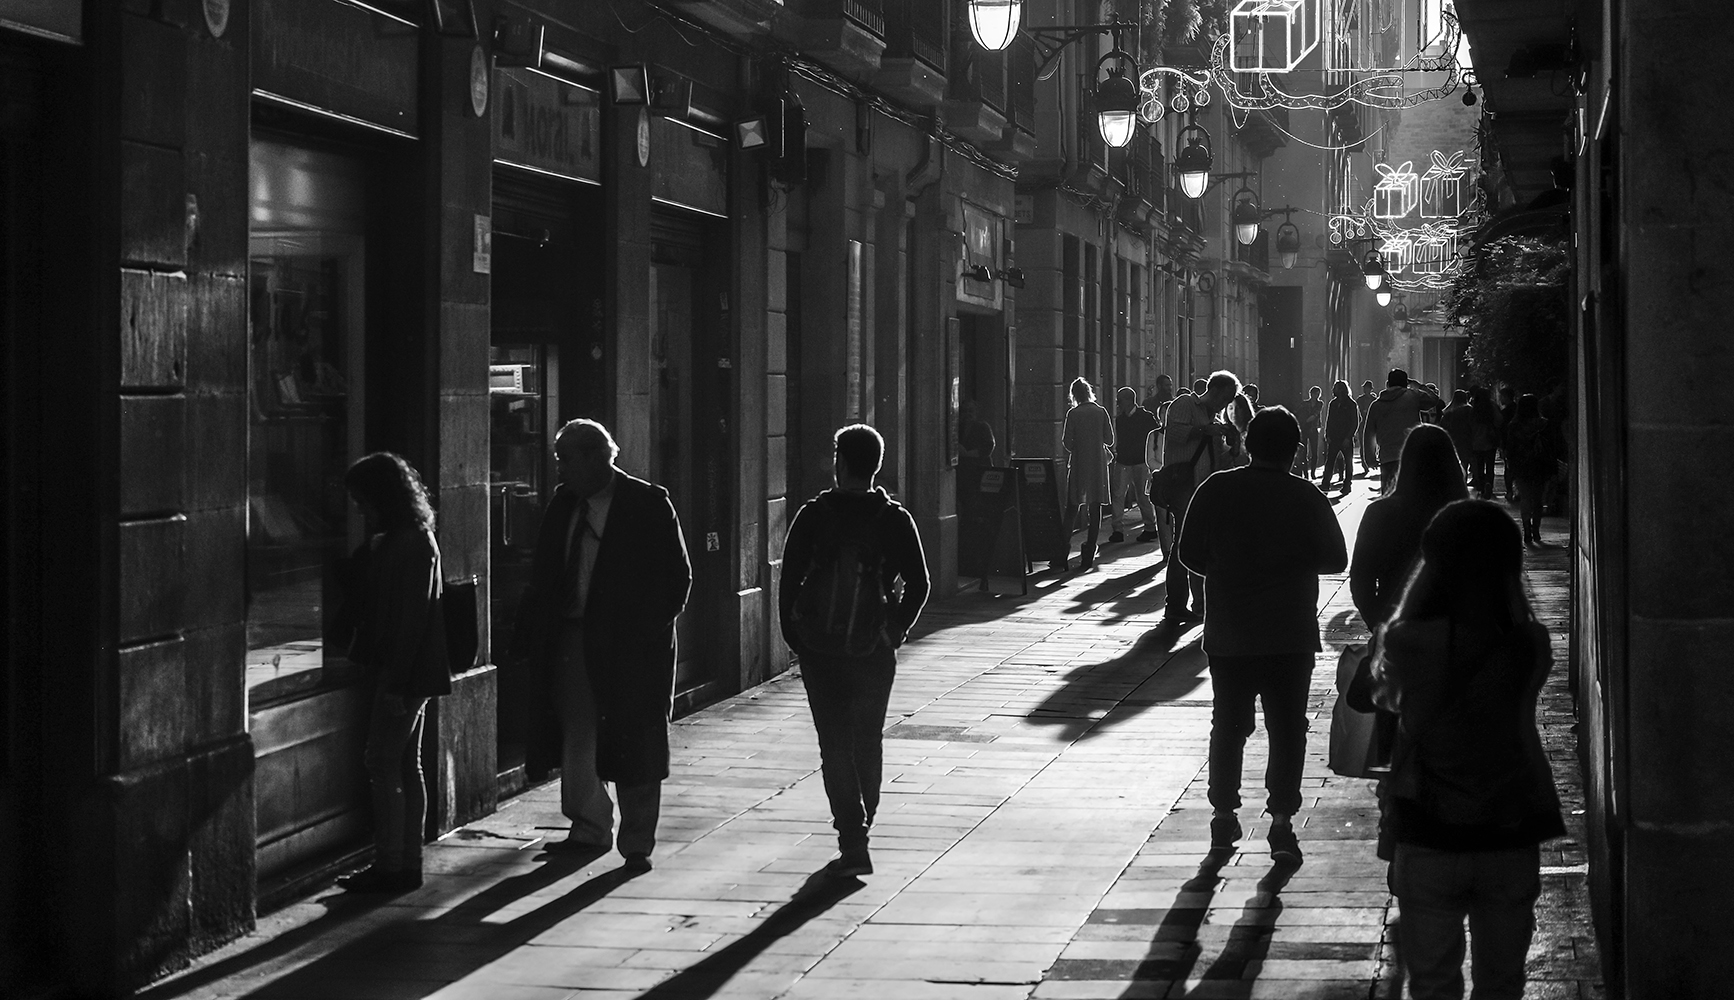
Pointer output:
x,y
1393,415
637,589
1341,419
393,603
1468,772
1458,419
899,544
1385,549
1530,451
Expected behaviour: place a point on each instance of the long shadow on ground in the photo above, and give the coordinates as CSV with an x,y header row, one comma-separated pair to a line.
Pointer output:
x,y
1095,697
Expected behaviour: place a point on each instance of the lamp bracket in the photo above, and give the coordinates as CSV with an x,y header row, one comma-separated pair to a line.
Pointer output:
x,y
1052,39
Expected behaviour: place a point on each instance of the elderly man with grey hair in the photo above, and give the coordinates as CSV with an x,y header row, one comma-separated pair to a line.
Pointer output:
x,y
1196,442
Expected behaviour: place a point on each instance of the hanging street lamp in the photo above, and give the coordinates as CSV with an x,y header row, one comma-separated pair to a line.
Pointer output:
x,y
1117,97
1383,296
1288,242
994,23
1373,270
1193,162
1245,215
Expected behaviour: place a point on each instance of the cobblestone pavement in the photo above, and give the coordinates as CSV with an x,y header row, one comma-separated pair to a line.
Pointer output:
x,y
1043,835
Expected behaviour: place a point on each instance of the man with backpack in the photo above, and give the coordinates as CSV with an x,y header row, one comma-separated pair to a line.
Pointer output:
x,y
842,614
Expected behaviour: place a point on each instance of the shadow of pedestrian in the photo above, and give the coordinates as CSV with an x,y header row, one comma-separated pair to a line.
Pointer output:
x,y
1248,941
1174,949
706,977
1095,697
1088,600
390,937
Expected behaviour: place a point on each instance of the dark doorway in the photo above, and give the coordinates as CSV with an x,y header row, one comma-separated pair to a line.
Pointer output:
x,y
984,371
1279,348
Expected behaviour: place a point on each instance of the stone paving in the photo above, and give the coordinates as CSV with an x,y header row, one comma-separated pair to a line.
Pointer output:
x,y
1043,835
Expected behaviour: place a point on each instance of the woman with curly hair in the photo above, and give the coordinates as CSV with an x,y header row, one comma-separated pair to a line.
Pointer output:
x,y
400,637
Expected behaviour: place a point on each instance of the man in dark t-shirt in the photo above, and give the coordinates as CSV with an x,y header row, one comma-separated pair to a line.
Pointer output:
x,y
1260,537
1132,427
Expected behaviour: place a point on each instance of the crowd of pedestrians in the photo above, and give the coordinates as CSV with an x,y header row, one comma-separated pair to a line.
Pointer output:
x,y
1225,487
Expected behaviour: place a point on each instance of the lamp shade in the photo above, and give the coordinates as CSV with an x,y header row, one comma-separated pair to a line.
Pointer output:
x,y
1373,270
1192,164
1116,108
1288,244
1382,296
1245,216
994,23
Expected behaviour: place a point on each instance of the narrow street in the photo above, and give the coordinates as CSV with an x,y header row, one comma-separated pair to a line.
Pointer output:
x,y
1043,835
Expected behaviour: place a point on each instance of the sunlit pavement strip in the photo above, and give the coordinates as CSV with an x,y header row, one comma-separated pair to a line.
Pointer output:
x,y
1042,832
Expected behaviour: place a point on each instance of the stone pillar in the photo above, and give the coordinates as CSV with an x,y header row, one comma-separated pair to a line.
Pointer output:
x,y
1041,380
778,510
626,222
1677,210
753,406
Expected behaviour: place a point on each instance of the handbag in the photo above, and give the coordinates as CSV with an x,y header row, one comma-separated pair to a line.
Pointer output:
x,y
1171,486
1356,748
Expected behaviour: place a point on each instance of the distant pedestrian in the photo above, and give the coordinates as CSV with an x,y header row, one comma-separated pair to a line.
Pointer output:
x,y
1470,795
1312,415
1531,459
1430,413
1088,437
400,639
1260,537
1128,472
1198,386
1507,416
1342,419
1250,391
846,551
1483,441
1389,420
1363,403
1195,444
1166,527
1458,419
975,441
1161,393
609,577
1389,539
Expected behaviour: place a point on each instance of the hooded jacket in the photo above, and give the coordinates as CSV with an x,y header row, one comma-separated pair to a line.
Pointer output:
x,y
1396,412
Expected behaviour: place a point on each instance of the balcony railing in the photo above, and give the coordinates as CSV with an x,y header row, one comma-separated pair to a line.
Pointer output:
x,y
869,14
916,29
1256,253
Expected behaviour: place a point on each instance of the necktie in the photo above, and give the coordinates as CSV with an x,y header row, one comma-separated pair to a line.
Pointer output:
x,y
575,558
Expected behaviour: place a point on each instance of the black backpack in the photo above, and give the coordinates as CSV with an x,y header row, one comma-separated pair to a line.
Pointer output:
x,y
842,610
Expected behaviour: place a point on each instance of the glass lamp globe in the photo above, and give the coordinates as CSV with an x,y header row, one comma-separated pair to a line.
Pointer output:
x,y
1382,296
994,23
1192,165
1287,258
1246,232
1116,109
1288,244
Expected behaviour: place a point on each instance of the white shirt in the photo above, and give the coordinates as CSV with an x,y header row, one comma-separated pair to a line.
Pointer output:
x,y
594,523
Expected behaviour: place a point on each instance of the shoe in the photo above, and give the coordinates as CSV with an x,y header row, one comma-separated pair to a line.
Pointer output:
x,y
1284,845
1150,536
1117,536
852,862
574,845
1087,557
1224,831
374,879
637,862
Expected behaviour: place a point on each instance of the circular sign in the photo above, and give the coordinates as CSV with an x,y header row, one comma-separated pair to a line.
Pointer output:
x,y
478,81
217,17
644,137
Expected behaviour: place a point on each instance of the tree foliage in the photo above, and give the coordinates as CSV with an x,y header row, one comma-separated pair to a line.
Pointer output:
x,y
1513,301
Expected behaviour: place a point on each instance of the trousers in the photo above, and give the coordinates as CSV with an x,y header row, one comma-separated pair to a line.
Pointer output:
x,y
848,698
1182,583
1135,478
1280,681
394,773
583,796
1436,890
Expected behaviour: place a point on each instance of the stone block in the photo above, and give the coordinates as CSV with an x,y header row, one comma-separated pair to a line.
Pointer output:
x,y
153,577
1679,570
776,342
750,548
464,427
1680,698
776,527
215,312
154,715
216,443
216,146
464,331
152,449
459,281
153,207
776,404
776,465
147,879
463,532
216,564
752,614
776,281
153,329
217,679
220,843
153,91
465,765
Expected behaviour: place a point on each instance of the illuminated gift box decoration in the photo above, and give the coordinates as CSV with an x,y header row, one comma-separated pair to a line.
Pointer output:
x,y
1397,191
1445,189
1398,252
1433,252
1272,36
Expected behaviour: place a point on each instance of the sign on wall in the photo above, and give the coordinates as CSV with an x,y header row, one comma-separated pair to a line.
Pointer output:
x,y
60,20
547,125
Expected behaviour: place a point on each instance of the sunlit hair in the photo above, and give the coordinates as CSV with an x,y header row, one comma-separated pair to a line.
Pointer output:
x,y
1241,412
861,449
1082,391
585,425
1429,475
1314,392
391,486
1471,556
1340,390
1224,378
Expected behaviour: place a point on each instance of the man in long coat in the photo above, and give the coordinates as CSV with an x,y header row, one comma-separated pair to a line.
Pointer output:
x,y
609,577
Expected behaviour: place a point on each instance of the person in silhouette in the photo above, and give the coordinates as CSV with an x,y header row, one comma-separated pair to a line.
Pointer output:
x,y
609,577
1260,537
1197,437
840,612
1088,437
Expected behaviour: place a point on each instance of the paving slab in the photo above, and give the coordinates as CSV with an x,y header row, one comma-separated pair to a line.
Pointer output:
x,y
1043,834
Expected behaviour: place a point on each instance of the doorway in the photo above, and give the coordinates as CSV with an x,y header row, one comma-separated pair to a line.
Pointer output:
x,y
985,373
1279,347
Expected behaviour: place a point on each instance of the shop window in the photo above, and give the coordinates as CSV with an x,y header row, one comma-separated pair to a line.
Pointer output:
x,y
305,378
